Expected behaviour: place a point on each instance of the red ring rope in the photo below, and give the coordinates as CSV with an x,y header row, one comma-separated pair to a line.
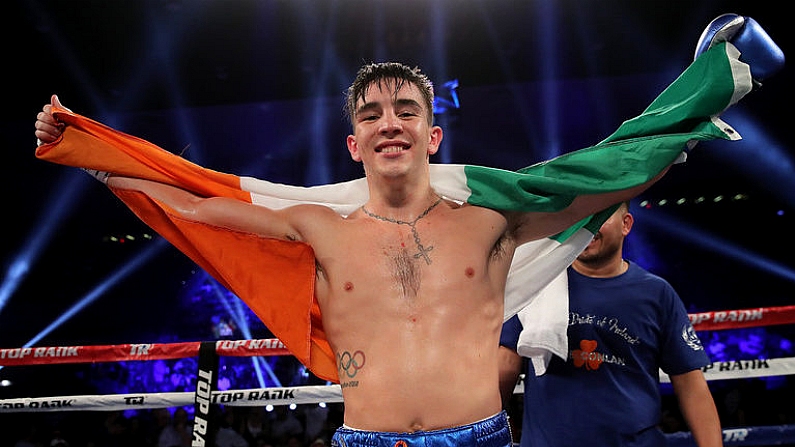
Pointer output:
x,y
743,318
702,321
145,351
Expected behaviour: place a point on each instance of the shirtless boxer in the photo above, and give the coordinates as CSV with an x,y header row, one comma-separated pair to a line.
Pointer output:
x,y
410,285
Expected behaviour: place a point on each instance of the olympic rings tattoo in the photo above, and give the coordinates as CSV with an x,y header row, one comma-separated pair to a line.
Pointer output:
x,y
349,363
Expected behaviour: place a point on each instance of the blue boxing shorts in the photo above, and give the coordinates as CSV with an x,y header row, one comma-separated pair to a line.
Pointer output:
x,y
491,432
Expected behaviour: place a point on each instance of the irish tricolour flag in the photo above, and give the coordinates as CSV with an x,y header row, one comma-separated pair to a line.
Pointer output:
x,y
276,278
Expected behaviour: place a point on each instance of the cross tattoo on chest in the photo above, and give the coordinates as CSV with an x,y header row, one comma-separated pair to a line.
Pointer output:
x,y
423,251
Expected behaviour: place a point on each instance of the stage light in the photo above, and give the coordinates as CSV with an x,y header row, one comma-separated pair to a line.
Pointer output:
x,y
67,191
237,315
761,158
446,98
664,223
92,296
138,261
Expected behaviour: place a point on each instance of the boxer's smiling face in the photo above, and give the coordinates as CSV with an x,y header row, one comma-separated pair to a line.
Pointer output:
x,y
392,130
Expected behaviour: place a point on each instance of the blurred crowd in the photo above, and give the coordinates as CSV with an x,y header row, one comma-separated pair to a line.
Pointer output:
x,y
282,426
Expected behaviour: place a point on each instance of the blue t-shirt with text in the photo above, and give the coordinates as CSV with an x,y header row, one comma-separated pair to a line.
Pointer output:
x,y
621,332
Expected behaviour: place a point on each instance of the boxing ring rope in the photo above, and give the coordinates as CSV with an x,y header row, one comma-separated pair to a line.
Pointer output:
x,y
743,318
144,351
206,394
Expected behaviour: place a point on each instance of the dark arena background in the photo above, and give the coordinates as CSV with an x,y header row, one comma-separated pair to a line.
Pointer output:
x,y
255,87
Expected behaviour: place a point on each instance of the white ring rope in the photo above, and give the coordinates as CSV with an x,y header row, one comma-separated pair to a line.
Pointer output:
x,y
116,402
704,321
717,320
740,369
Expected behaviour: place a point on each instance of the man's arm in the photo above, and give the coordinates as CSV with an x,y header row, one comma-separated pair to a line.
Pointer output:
x,y
217,211
510,364
48,129
698,408
532,226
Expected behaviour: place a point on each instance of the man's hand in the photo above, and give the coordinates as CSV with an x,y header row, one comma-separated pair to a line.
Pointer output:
x,y
48,129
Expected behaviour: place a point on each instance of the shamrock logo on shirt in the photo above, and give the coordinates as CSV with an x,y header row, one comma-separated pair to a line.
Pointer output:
x,y
587,355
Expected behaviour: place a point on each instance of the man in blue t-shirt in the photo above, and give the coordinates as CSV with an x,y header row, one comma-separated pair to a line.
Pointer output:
x,y
625,324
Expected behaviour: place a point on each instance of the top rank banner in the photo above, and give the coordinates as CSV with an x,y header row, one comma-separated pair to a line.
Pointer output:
x,y
743,318
145,351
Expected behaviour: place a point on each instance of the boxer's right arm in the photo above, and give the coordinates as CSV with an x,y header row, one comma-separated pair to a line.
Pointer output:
x,y
48,129
220,212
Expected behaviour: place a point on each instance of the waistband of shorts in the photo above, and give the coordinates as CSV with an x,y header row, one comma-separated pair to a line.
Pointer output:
x,y
490,425
480,430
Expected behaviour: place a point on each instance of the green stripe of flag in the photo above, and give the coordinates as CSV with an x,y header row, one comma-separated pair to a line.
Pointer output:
x,y
684,113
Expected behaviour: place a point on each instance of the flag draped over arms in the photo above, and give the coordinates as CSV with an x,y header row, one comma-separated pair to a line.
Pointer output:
x,y
276,278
